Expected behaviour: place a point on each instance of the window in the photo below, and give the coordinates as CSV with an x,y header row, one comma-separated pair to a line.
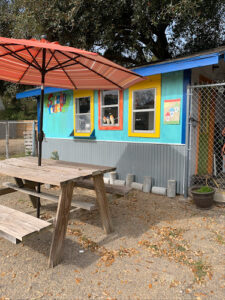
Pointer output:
x,y
83,113
144,108
110,110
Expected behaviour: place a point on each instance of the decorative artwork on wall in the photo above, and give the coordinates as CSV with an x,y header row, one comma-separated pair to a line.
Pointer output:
x,y
56,103
172,111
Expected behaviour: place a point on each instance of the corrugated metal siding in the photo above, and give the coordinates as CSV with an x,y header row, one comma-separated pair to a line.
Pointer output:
x,y
161,162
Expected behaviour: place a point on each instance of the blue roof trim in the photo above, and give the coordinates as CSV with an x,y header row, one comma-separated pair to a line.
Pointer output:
x,y
178,65
37,92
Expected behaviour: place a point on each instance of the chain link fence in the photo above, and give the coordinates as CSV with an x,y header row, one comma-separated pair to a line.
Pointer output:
x,y
207,135
17,138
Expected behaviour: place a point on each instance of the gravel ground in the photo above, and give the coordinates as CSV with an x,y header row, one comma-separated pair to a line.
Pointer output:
x,y
161,249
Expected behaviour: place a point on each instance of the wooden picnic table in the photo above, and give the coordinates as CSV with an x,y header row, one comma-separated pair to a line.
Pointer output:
x,y
54,172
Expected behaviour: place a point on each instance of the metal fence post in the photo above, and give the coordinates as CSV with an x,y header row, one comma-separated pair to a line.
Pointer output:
x,y
187,144
7,139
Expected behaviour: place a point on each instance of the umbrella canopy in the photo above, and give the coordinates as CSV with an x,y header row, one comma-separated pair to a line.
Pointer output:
x,y
23,61
34,62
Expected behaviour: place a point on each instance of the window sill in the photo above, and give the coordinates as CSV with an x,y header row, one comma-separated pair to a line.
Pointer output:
x,y
85,136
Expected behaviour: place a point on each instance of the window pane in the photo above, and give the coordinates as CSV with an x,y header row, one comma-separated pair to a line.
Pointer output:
x,y
144,99
83,123
144,120
109,97
110,116
83,105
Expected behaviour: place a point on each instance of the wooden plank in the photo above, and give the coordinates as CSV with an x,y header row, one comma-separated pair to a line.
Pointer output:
x,y
103,203
110,189
62,217
9,238
18,224
83,205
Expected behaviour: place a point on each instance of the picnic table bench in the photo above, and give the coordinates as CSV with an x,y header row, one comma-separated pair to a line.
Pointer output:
x,y
17,225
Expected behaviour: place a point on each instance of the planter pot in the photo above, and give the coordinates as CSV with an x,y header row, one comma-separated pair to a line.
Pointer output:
x,y
202,200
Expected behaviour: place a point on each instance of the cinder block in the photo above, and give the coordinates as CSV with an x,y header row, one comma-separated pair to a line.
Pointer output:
x,y
171,188
137,186
147,184
106,180
112,177
159,190
119,182
129,179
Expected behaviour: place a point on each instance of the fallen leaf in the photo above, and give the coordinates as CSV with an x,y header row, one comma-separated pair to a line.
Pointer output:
x,y
78,280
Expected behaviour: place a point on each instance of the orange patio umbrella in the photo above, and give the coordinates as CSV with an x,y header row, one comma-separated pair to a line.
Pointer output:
x,y
34,62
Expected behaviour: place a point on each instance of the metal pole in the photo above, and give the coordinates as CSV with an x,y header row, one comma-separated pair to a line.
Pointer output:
x,y
187,144
40,132
7,139
33,139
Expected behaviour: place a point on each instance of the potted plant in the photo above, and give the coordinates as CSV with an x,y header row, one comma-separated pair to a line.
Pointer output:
x,y
203,196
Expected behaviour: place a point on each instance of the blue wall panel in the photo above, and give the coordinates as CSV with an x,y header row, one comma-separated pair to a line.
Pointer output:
x,y
59,124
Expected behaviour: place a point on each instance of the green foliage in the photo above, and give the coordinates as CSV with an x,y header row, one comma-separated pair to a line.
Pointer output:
x,y
129,32
204,189
55,155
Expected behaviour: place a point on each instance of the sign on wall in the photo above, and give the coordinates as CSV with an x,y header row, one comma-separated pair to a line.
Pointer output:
x,y
172,111
56,103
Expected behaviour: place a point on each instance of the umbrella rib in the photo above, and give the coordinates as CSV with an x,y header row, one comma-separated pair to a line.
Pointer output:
x,y
108,65
49,60
56,67
15,55
64,70
34,57
95,71
29,66
8,53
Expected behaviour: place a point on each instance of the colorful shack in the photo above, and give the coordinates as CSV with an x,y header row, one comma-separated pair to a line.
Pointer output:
x,y
143,130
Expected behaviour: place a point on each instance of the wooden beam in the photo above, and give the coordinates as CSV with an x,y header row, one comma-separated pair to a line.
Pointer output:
x,y
79,204
62,218
103,203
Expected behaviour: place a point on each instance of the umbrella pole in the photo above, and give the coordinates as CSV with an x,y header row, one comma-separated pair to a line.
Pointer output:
x,y
40,133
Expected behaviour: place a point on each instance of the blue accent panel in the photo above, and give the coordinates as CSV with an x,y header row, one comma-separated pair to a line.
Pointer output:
x,y
59,124
172,88
187,81
37,92
38,112
193,62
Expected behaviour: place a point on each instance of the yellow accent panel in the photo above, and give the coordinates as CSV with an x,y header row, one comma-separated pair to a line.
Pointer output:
x,y
153,81
79,94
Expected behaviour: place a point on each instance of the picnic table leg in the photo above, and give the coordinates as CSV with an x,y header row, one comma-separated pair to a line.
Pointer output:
x,y
62,217
103,203
31,186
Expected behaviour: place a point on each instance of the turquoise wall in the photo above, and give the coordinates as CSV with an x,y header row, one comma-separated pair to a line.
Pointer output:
x,y
172,88
60,124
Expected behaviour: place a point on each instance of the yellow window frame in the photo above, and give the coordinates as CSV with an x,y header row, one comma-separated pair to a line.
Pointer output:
x,y
151,82
80,94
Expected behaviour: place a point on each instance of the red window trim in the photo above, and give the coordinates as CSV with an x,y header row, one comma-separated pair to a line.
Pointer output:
x,y
115,127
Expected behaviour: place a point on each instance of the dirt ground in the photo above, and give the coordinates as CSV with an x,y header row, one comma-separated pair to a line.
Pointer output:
x,y
161,249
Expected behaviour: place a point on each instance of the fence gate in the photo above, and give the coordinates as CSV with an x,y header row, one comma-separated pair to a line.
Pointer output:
x,y
206,162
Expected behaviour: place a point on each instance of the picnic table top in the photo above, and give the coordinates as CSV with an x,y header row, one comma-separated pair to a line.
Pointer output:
x,y
53,172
